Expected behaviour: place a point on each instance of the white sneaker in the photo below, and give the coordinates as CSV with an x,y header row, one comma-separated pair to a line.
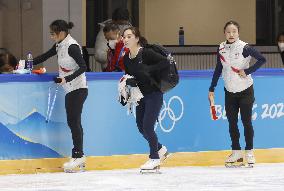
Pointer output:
x,y
74,163
163,153
151,164
236,156
250,157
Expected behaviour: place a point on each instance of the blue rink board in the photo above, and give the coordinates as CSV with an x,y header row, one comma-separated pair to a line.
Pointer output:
x,y
185,124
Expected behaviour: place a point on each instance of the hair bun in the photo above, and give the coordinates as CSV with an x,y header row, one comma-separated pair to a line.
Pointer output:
x,y
70,25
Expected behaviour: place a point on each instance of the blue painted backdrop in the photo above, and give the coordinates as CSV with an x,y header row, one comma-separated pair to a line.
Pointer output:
x,y
184,124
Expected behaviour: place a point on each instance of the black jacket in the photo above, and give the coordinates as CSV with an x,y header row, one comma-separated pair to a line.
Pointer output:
x,y
142,66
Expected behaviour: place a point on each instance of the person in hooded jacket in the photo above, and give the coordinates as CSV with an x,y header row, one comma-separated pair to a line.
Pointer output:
x,y
120,17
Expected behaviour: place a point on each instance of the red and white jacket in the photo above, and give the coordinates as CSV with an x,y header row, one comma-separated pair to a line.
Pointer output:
x,y
68,66
231,56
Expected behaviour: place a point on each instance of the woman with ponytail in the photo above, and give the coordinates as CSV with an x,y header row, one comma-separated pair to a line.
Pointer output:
x,y
72,77
136,63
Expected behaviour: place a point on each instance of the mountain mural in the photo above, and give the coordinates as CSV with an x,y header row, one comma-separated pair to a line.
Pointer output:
x,y
15,147
6,118
54,135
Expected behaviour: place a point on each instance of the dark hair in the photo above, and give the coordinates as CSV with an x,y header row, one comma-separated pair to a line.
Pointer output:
x,y
278,36
1,61
8,58
8,62
232,23
120,14
142,40
60,25
110,27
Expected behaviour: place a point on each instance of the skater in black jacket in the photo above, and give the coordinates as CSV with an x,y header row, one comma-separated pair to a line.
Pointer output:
x,y
147,112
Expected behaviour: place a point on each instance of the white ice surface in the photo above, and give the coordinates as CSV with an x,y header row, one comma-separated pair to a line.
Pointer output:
x,y
261,177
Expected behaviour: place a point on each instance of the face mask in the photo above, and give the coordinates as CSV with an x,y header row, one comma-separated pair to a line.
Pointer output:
x,y
281,46
112,44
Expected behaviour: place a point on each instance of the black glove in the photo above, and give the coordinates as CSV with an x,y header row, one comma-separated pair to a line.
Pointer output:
x,y
57,80
131,82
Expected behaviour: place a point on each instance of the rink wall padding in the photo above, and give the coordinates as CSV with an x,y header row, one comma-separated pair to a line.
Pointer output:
x,y
111,140
206,158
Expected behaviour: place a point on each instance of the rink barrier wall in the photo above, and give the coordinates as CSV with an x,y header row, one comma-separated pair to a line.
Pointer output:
x,y
206,158
111,140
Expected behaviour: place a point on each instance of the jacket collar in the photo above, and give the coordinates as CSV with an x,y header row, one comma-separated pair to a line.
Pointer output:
x,y
64,41
232,45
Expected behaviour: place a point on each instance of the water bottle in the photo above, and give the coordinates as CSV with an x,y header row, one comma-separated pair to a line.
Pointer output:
x,y
181,36
29,64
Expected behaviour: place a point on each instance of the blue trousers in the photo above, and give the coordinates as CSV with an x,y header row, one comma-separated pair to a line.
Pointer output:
x,y
147,113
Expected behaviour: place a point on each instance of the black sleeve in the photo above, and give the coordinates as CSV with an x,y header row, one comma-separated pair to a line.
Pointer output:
x,y
217,73
125,61
250,51
75,52
154,59
51,52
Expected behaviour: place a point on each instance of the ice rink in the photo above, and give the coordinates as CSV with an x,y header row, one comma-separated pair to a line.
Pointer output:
x,y
261,177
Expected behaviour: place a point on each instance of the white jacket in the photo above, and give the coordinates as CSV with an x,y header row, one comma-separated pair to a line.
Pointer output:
x,y
231,56
101,46
68,66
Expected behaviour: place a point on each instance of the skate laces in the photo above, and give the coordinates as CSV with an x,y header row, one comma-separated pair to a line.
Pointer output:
x,y
234,156
154,161
250,155
151,161
237,154
76,160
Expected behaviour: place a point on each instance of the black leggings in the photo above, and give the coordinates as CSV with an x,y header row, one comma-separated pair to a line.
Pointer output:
x,y
242,101
147,113
74,105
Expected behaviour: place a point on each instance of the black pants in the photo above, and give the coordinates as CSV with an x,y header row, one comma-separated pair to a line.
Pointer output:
x,y
147,113
74,105
242,101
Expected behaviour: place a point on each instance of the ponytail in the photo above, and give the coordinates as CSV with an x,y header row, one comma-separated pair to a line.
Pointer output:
x,y
142,41
60,25
70,25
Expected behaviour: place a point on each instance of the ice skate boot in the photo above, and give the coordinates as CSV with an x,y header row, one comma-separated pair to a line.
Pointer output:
x,y
151,166
75,165
235,159
163,153
249,156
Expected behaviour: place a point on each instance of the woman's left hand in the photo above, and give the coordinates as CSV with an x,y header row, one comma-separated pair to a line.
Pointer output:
x,y
59,80
242,74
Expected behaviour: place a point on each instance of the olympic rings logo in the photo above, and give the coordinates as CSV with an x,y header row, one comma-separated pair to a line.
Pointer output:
x,y
168,111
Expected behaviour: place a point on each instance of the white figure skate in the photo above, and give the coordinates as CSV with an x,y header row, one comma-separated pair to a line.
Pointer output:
x,y
235,159
163,153
250,160
75,165
151,166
